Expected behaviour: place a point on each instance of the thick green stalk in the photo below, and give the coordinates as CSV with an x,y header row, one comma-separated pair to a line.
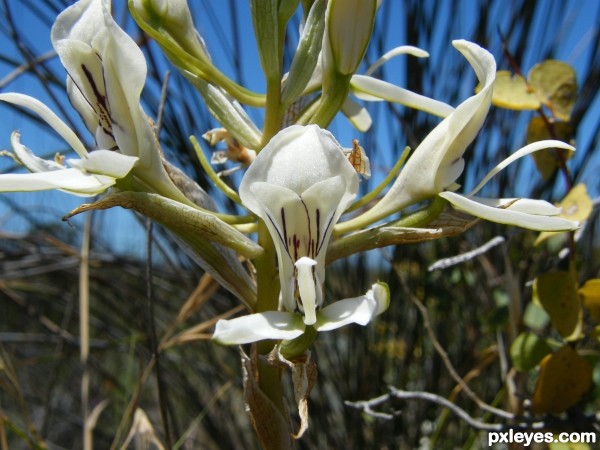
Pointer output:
x,y
268,300
273,113
332,99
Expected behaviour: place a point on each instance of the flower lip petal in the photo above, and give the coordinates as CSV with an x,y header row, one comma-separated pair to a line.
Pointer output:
x,y
307,288
258,327
360,310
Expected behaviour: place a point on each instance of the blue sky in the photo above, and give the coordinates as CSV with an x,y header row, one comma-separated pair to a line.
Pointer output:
x,y
214,22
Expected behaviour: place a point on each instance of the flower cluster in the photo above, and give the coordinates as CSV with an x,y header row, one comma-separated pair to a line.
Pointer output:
x,y
299,181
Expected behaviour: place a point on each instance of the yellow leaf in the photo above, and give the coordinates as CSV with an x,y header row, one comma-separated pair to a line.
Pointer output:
x,y
511,91
564,378
567,446
590,292
577,205
556,292
546,160
555,84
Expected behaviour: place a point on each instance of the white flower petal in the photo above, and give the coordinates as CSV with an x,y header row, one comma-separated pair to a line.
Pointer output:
x,y
307,289
401,50
526,205
358,116
528,149
72,181
283,213
372,89
508,215
105,162
296,158
28,158
79,21
360,310
37,107
257,327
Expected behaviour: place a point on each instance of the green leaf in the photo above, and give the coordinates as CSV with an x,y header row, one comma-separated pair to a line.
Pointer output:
x,y
535,317
556,292
512,92
546,160
307,54
555,84
211,238
527,351
564,377
265,18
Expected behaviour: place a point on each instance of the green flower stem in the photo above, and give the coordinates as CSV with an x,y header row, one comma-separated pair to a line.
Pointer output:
x,y
268,300
388,234
422,217
296,347
305,115
332,100
375,192
230,193
246,228
273,111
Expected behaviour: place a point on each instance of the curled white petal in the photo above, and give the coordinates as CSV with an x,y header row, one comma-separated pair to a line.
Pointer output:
x,y
372,89
257,327
509,215
401,50
360,310
528,149
45,113
28,158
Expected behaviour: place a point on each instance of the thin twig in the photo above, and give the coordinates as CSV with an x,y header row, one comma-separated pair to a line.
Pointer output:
x,y
163,101
448,364
444,263
30,64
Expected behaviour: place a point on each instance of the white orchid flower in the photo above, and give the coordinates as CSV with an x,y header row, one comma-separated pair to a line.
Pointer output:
x,y
106,75
299,185
290,325
92,174
438,162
